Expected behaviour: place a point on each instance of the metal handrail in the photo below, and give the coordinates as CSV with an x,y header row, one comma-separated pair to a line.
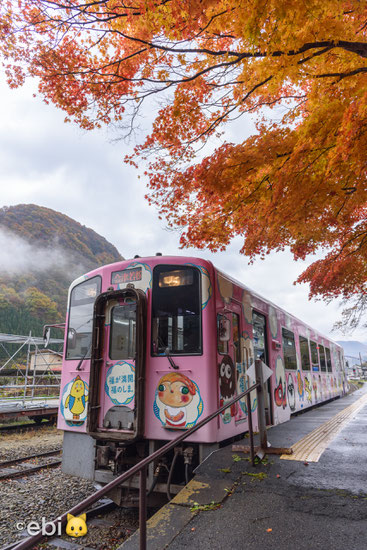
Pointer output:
x,y
140,468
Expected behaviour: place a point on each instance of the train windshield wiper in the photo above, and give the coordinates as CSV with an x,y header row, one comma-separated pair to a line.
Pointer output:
x,y
171,361
167,354
84,357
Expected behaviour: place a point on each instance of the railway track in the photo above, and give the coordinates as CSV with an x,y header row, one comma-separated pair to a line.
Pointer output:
x,y
23,427
28,465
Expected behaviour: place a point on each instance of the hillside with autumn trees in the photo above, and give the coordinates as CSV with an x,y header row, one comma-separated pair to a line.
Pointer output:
x,y
43,251
298,70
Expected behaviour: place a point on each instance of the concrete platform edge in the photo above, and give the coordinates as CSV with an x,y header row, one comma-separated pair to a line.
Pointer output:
x,y
170,520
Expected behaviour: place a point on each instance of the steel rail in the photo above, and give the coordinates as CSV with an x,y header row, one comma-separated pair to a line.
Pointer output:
x,y
141,467
7,463
31,426
29,471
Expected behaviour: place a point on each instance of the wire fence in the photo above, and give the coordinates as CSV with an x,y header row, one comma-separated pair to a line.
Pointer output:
x,y
29,373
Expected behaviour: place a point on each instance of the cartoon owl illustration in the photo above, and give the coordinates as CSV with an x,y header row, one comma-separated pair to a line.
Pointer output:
x,y
227,386
77,398
227,378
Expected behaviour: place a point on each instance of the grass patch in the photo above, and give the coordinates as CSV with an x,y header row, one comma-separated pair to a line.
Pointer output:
x,y
260,476
205,507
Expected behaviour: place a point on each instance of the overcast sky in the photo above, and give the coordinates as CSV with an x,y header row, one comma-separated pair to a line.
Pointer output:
x,y
47,162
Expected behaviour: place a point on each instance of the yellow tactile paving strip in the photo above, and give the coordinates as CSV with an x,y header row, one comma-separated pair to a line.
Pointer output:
x,y
311,447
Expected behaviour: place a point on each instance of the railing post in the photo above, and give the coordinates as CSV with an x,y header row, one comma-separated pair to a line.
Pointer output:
x,y
250,430
261,405
34,369
143,509
27,369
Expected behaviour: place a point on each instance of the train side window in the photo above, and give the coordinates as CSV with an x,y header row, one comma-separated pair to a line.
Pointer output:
x,y
123,332
328,360
322,358
259,335
314,356
222,322
289,350
305,353
341,360
82,298
236,336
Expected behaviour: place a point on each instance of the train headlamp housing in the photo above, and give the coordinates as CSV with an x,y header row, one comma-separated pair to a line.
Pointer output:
x,y
179,277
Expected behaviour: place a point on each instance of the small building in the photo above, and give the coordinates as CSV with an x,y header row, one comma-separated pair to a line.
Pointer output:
x,y
45,360
354,372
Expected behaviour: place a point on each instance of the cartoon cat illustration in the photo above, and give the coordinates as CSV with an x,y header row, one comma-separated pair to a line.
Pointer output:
x,y
77,398
76,526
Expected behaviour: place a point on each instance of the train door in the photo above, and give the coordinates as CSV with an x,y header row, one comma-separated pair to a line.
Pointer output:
x,y
117,367
261,352
228,357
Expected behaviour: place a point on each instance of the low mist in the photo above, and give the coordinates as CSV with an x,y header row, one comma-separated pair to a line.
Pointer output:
x,y
19,256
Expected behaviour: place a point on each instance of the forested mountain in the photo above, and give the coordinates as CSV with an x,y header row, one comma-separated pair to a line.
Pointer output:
x,y
42,251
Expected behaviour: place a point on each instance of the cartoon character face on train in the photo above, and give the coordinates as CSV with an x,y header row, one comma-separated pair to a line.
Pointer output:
x,y
177,403
76,400
227,378
308,389
227,387
291,392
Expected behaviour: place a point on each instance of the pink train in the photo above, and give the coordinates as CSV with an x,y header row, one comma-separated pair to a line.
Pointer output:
x,y
155,344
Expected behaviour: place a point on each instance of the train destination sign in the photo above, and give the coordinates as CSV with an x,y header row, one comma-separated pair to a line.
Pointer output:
x,y
126,276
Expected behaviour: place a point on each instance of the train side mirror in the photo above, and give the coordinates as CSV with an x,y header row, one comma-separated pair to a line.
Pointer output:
x,y
224,329
46,336
71,338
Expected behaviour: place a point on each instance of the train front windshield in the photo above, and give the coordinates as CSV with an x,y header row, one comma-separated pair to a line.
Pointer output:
x,y
80,326
176,310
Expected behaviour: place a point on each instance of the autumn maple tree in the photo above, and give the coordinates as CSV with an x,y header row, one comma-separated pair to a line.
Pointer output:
x,y
299,69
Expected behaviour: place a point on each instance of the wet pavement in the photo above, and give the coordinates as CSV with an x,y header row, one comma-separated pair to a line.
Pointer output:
x,y
281,504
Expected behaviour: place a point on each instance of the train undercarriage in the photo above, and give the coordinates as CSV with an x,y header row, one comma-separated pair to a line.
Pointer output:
x,y
103,461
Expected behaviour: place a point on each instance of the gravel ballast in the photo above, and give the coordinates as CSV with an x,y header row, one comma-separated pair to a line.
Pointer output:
x,y
49,494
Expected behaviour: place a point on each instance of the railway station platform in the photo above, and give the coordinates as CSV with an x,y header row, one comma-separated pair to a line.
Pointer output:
x,y
12,409
313,499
